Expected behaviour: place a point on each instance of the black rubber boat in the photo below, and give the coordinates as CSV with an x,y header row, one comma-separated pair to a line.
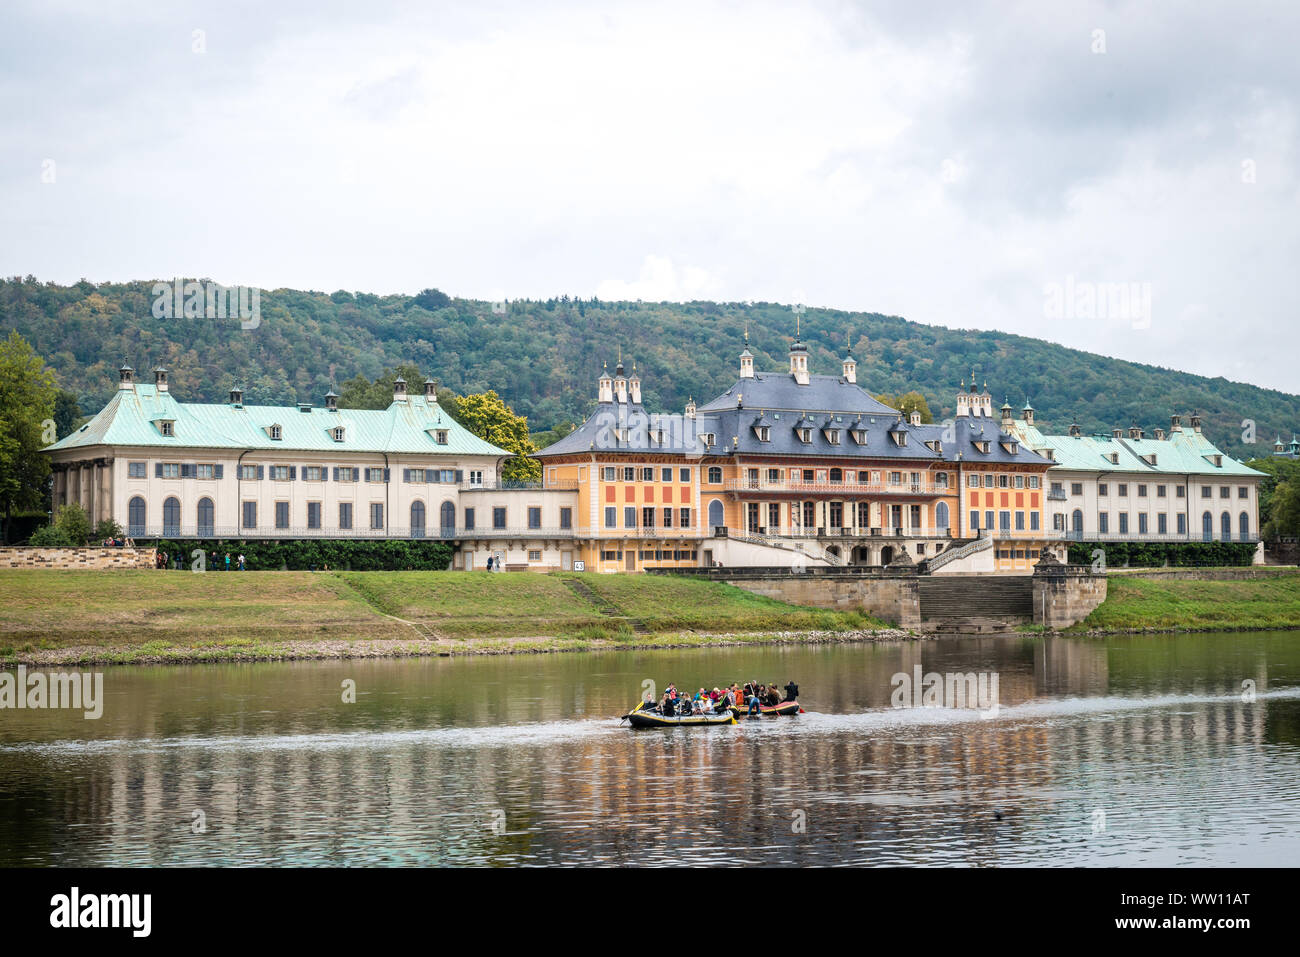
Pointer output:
x,y
770,711
643,717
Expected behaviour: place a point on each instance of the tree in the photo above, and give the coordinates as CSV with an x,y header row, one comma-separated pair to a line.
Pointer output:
x,y
27,398
431,299
907,403
493,421
67,413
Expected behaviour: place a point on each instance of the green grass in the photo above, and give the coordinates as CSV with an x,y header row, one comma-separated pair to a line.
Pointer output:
x,y
1134,604
162,616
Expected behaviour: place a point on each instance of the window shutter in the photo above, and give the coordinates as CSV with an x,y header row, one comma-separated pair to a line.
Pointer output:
x,y
430,476
217,471
293,472
336,473
325,473
460,476
260,473
406,475
387,472
157,470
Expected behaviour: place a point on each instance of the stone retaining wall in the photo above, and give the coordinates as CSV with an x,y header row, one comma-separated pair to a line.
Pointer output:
x,y
34,557
1209,574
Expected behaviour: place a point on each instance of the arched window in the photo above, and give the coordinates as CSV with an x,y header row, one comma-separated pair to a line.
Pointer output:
x,y
716,519
1244,522
172,516
715,475
135,517
1207,527
1076,522
1225,525
206,518
417,520
837,476
448,519
941,516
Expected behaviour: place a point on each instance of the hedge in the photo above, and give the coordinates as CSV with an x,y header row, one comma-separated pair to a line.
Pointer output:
x,y
342,554
1159,554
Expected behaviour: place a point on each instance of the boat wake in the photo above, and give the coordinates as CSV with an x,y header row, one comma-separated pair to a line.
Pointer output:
x,y
888,720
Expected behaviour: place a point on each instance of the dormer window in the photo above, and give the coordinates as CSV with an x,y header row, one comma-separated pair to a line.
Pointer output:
x,y
337,433
1010,447
983,445
167,427
1151,459
275,433
833,436
764,433
900,438
860,436
1114,458
440,436
707,438
805,436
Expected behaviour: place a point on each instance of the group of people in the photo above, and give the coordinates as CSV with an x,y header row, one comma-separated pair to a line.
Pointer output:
x,y
161,560
752,696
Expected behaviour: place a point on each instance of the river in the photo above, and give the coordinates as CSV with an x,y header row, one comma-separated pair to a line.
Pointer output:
x,y
1164,750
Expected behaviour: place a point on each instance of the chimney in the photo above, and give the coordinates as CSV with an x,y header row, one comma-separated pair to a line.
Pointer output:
x,y
914,417
1074,429
747,364
399,389
1196,421
606,387
430,391
1116,433
850,365
963,408
1134,432
160,378
690,408
236,396
1028,413
126,377
331,401
634,384
1007,417
1160,434
1175,423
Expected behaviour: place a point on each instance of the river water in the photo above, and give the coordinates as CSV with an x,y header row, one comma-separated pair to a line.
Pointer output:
x,y
1127,751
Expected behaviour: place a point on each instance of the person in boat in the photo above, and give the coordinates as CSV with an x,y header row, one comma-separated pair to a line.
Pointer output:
x,y
666,704
773,696
754,701
791,691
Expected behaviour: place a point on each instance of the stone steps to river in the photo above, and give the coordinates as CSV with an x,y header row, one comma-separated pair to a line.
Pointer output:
x,y
604,605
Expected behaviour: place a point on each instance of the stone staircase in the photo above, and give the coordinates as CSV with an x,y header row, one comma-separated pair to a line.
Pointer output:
x,y
954,552
983,604
604,606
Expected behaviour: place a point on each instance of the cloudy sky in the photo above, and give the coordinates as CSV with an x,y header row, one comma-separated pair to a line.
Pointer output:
x,y
963,164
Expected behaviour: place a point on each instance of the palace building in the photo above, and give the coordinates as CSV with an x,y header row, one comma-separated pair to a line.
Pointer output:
x,y
165,469
791,469
1171,486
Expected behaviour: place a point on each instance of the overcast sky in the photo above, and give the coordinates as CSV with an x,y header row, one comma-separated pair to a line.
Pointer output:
x,y
959,164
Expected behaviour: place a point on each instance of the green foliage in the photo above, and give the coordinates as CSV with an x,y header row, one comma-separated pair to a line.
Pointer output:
x,y
1159,554
491,419
543,357
50,536
1279,497
73,521
337,554
105,529
27,400
907,403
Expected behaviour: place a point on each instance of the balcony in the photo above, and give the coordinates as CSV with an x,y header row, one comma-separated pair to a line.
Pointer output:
x,y
845,489
434,533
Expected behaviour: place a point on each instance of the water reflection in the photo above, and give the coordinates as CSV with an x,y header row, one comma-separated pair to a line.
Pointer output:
x,y
521,761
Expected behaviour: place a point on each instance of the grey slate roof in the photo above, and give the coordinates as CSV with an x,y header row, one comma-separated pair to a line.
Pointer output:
x,y
779,390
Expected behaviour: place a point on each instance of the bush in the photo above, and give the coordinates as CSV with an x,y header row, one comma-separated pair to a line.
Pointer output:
x,y
1159,554
338,554
106,529
49,536
74,523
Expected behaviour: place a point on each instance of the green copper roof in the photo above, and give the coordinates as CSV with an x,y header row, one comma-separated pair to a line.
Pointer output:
x,y
1181,452
134,417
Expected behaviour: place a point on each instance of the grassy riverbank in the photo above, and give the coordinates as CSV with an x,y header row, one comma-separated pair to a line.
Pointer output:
x,y
53,617
1136,604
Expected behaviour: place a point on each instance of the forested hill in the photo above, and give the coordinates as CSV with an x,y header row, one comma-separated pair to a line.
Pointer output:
x,y
544,358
